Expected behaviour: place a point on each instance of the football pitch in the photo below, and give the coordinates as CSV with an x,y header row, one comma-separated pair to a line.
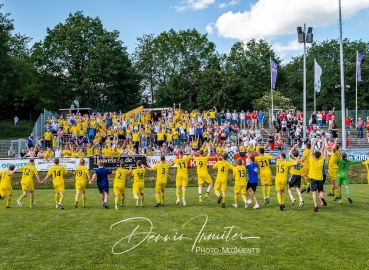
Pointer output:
x,y
176,237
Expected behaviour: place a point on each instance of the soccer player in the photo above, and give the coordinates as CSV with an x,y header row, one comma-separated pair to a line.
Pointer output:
x,y
316,173
366,164
138,182
332,170
81,179
265,173
294,179
252,174
239,174
57,171
162,169
181,176
223,167
305,168
6,185
281,176
342,179
101,175
202,172
28,172
120,184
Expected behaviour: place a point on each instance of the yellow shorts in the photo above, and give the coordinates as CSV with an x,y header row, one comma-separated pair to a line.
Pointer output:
x,y
239,188
59,187
81,185
159,186
332,172
304,172
119,189
181,180
220,185
266,178
7,190
138,187
280,184
204,178
29,186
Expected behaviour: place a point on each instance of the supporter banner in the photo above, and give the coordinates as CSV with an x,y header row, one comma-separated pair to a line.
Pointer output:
x,y
153,160
357,155
113,163
42,165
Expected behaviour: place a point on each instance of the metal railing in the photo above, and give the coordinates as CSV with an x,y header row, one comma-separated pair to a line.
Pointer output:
x,y
39,127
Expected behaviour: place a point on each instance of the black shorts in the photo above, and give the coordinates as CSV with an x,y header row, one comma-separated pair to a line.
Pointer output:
x,y
252,186
284,129
121,137
316,185
294,180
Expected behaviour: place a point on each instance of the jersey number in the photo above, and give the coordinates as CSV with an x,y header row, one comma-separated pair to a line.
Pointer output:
x,y
242,173
140,175
120,175
56,173
222,169
264,163
280,168
26,172
163,171
201,163
79,173
182,164
297,167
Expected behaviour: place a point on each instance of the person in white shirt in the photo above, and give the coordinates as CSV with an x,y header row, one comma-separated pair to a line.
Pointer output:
x,y
234,117
58,151
242,119
228,116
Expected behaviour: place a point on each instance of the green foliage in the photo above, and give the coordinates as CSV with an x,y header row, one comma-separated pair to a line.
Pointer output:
x,y
279,101
9,131
81,60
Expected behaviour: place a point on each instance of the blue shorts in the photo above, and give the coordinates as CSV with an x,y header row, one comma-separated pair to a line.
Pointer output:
x,y
260,122
103,189
348,128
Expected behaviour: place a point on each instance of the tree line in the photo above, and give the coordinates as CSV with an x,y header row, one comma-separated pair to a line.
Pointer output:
x,y
80,60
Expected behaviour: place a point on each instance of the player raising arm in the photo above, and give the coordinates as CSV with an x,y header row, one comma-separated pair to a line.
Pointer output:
x,y
202,171
28,172
120,184
181,176
138,182
6,185
223,167
332,170
252,175
101,176
239,174
81,179
265,173
294,179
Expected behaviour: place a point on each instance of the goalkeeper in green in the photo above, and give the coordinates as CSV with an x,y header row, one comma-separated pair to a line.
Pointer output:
x,y
342,178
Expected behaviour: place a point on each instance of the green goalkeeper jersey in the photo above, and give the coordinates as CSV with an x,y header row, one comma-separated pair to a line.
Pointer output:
x,y
343,165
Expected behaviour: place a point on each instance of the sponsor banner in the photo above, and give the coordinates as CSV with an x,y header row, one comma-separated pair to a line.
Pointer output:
x,y
5,163
153,160
212,160
357,155
113,163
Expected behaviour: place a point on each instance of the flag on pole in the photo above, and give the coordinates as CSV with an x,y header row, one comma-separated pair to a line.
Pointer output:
x,y
318,73
358,66
273,72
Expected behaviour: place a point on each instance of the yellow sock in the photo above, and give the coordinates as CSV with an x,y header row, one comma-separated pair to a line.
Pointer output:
x,y
337,191
83,200
244,197
279,198
116,200
21,197
61,199
282,195
135,196
178,193
183,193
216,192
263,190
157,196
269,190
8,200
122,200
142,199
76,198
332,189
31,201
236,198
56,198
162,198
224,198
307,180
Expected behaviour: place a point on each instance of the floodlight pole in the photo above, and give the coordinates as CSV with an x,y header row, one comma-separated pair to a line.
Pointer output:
x,y
342,83
304,89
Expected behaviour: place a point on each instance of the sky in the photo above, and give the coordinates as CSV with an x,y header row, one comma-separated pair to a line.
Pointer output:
x,y
224,21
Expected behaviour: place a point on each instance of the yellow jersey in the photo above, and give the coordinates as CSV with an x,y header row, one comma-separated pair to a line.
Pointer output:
x,y
239,173
162,172
57,172
181,164
366,163
138,175
90,151
28,172
81,173
202,164
263,162
296,169
120,176
223,168
316,168
306,154
333,160
6,179
282,170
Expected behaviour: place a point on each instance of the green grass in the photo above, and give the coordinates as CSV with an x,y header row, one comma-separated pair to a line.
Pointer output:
x,y
45,238
22,130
